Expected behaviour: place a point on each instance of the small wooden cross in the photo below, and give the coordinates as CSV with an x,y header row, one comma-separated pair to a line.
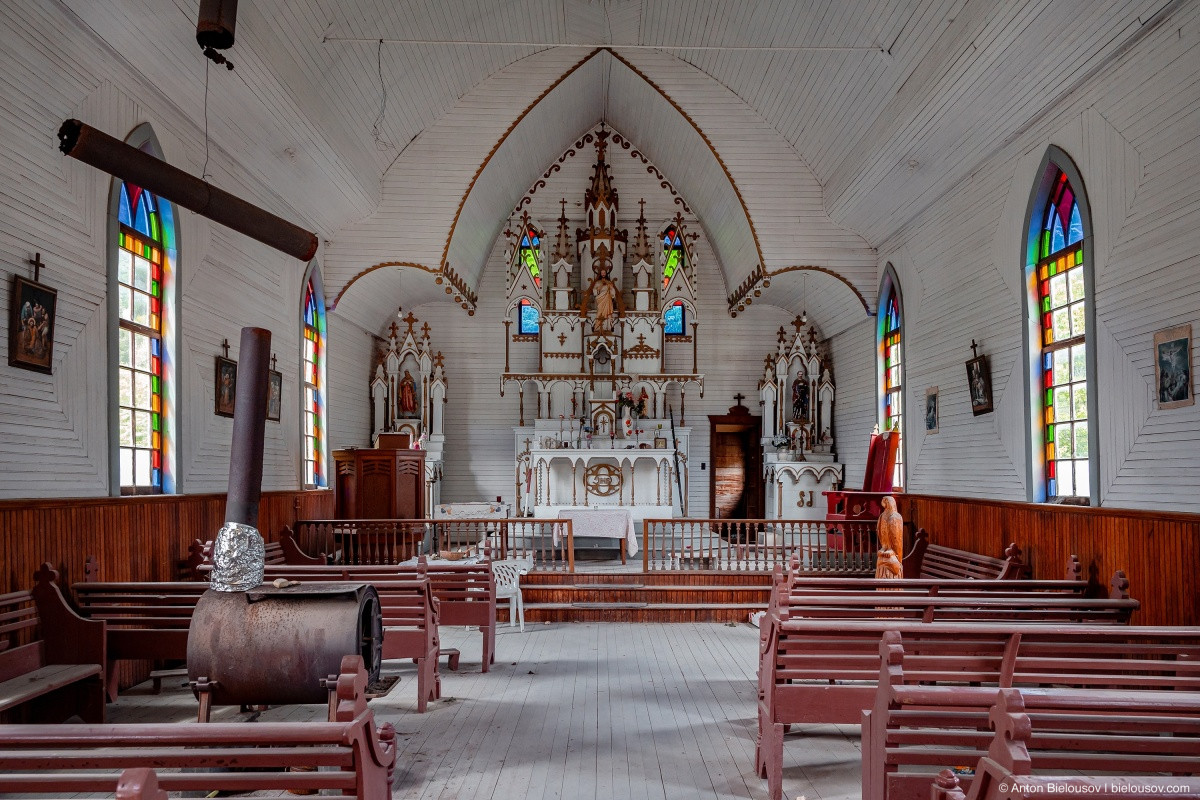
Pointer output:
x,y
225,347
641,340
273,363
739,397
974,349
798,323
438,360
410,320
642,206
37,267
425,330
563,201
394,329
782,335
527,443
562,338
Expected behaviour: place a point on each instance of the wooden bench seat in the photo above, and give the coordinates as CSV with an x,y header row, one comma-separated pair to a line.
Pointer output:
x,y
826,670
51,659
466,593
353,757
146,620
1097,705
1019,762
927,560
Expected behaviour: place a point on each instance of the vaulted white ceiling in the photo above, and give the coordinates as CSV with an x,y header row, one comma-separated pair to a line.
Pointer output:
x,y
802,134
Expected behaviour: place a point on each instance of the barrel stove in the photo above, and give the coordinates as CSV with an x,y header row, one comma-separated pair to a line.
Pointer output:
x,y
259,644
273,646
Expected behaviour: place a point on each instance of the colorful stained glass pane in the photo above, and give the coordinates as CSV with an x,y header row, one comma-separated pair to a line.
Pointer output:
x,y
673,320
1062,310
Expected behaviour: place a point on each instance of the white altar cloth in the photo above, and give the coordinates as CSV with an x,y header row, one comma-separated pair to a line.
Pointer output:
x,y
607,523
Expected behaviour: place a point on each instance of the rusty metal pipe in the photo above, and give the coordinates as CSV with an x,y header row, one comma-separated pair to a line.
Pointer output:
x,y
113,156
249,427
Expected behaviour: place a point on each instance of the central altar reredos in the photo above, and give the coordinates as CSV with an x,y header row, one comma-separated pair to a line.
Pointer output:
x,y
608,315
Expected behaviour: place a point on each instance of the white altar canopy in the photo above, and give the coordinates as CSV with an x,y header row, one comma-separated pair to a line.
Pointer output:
x,y
604,523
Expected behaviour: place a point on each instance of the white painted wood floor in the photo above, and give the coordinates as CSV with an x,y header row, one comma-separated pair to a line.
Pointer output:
x,y
609,711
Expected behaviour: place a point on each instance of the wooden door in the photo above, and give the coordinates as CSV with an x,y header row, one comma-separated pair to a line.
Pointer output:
x,y
735,481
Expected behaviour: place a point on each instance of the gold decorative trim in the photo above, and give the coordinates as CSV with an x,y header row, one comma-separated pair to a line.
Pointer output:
x,y
707,142
618,139
503,138
374,267
827,271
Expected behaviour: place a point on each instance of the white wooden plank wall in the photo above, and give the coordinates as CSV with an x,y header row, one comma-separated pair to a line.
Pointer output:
x,y
855,409
1134,133
53,428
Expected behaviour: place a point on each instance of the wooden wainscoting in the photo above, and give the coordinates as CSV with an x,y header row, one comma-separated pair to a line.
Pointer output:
x,y
1160,552
135,538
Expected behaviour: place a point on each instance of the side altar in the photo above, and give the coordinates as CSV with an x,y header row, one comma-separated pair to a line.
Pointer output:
x,y
797,395
613,317
408,398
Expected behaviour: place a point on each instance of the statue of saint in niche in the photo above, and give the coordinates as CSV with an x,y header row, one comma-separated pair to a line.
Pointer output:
x,y
408,394
800,407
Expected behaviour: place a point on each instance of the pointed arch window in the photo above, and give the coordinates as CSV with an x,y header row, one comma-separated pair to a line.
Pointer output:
x,y
1058,273
144,289
530,254
313,383
673,254
891,367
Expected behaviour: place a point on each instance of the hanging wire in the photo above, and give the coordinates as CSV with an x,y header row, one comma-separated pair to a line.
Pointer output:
x,y
204,170
380,142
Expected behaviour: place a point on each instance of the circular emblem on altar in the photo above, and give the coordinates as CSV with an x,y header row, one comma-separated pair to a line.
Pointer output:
x,y
603,479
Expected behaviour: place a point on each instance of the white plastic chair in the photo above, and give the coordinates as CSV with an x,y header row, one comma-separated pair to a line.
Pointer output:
x,y
508,574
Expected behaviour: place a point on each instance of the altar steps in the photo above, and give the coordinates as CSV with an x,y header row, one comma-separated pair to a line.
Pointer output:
x,y
643,597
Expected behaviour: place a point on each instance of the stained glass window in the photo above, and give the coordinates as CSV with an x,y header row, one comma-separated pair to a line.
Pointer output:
x,y
530,254
673,319
891,355
144,242
672,254
1061,303
528,322
313,380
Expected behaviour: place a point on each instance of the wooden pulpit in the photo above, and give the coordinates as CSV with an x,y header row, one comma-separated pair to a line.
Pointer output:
x,y
867,504
380,484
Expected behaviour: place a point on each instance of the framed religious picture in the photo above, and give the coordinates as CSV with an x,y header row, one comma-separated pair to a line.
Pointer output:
x,y
931,409
31,326
274,395
979,385
1173,367
660,443
226,383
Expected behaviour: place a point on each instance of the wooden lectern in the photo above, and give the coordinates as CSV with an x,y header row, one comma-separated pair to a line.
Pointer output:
x,y
380,484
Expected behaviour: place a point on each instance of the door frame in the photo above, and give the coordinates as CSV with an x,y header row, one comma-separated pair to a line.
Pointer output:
x,y
737,420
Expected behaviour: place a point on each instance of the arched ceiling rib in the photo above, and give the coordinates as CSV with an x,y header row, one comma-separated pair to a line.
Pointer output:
x,y
732,169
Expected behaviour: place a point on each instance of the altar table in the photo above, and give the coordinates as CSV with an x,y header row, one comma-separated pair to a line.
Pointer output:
x,y
606,523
